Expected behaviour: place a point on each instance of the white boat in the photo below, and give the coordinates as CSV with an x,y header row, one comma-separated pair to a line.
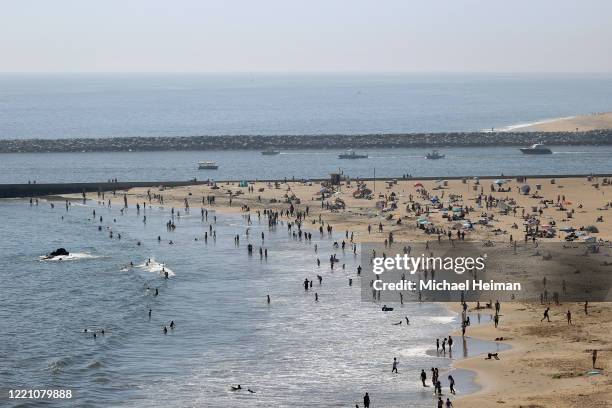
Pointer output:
x,y
434,155
207,165
537,148
350,154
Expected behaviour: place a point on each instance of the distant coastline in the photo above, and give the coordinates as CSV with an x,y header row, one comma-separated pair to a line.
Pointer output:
x,y
580,123
288,142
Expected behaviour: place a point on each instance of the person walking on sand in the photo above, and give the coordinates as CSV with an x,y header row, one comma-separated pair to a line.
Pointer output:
x,y
423,378
440,402
569,317
546,316
394,369
594,357
366,400
449,404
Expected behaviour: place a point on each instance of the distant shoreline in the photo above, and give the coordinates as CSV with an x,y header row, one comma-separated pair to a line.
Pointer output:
x,y
580,123
292,142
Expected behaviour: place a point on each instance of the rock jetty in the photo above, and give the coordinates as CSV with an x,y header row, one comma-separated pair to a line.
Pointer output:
x,y
371,141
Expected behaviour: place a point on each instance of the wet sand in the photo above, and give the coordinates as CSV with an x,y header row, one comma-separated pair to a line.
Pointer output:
x,y
549,363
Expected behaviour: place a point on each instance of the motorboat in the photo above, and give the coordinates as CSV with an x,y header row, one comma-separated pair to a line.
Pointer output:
x,y
270,152
434,155
207,165
537,148
350,154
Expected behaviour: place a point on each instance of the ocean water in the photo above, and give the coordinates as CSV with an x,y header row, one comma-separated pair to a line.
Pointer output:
x,y
293,352
106,105
250,165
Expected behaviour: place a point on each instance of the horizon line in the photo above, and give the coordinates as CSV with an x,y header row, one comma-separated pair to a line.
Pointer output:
x,y
312,72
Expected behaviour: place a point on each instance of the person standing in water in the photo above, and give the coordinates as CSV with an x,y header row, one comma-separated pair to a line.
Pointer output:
x,y
366,400
394,369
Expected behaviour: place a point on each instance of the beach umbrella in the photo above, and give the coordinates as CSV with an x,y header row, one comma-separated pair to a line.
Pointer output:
x,y
418,185
500,181
525,189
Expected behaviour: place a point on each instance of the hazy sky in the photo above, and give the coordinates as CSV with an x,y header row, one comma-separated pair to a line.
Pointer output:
x,y
308,35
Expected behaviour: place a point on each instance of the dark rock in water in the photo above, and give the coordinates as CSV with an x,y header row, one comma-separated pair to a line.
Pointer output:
x,y
59,252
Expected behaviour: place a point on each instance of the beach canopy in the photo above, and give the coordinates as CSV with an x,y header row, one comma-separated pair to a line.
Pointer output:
x,y
500,181
526,189
592,228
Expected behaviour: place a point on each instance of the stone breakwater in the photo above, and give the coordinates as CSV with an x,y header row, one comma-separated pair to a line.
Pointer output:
x,y
372,141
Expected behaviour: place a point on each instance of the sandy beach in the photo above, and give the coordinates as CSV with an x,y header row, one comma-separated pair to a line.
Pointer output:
x,y
582,123
549,363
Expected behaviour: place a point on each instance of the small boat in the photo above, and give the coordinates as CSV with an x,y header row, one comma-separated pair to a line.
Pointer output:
x,y
207,165
537,148
350,154
434,155
270,152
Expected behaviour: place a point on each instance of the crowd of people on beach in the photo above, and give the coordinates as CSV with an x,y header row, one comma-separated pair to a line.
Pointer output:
x,y
297,220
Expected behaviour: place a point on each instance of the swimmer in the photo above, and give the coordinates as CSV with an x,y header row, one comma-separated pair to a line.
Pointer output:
x,y
236,388
172,325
